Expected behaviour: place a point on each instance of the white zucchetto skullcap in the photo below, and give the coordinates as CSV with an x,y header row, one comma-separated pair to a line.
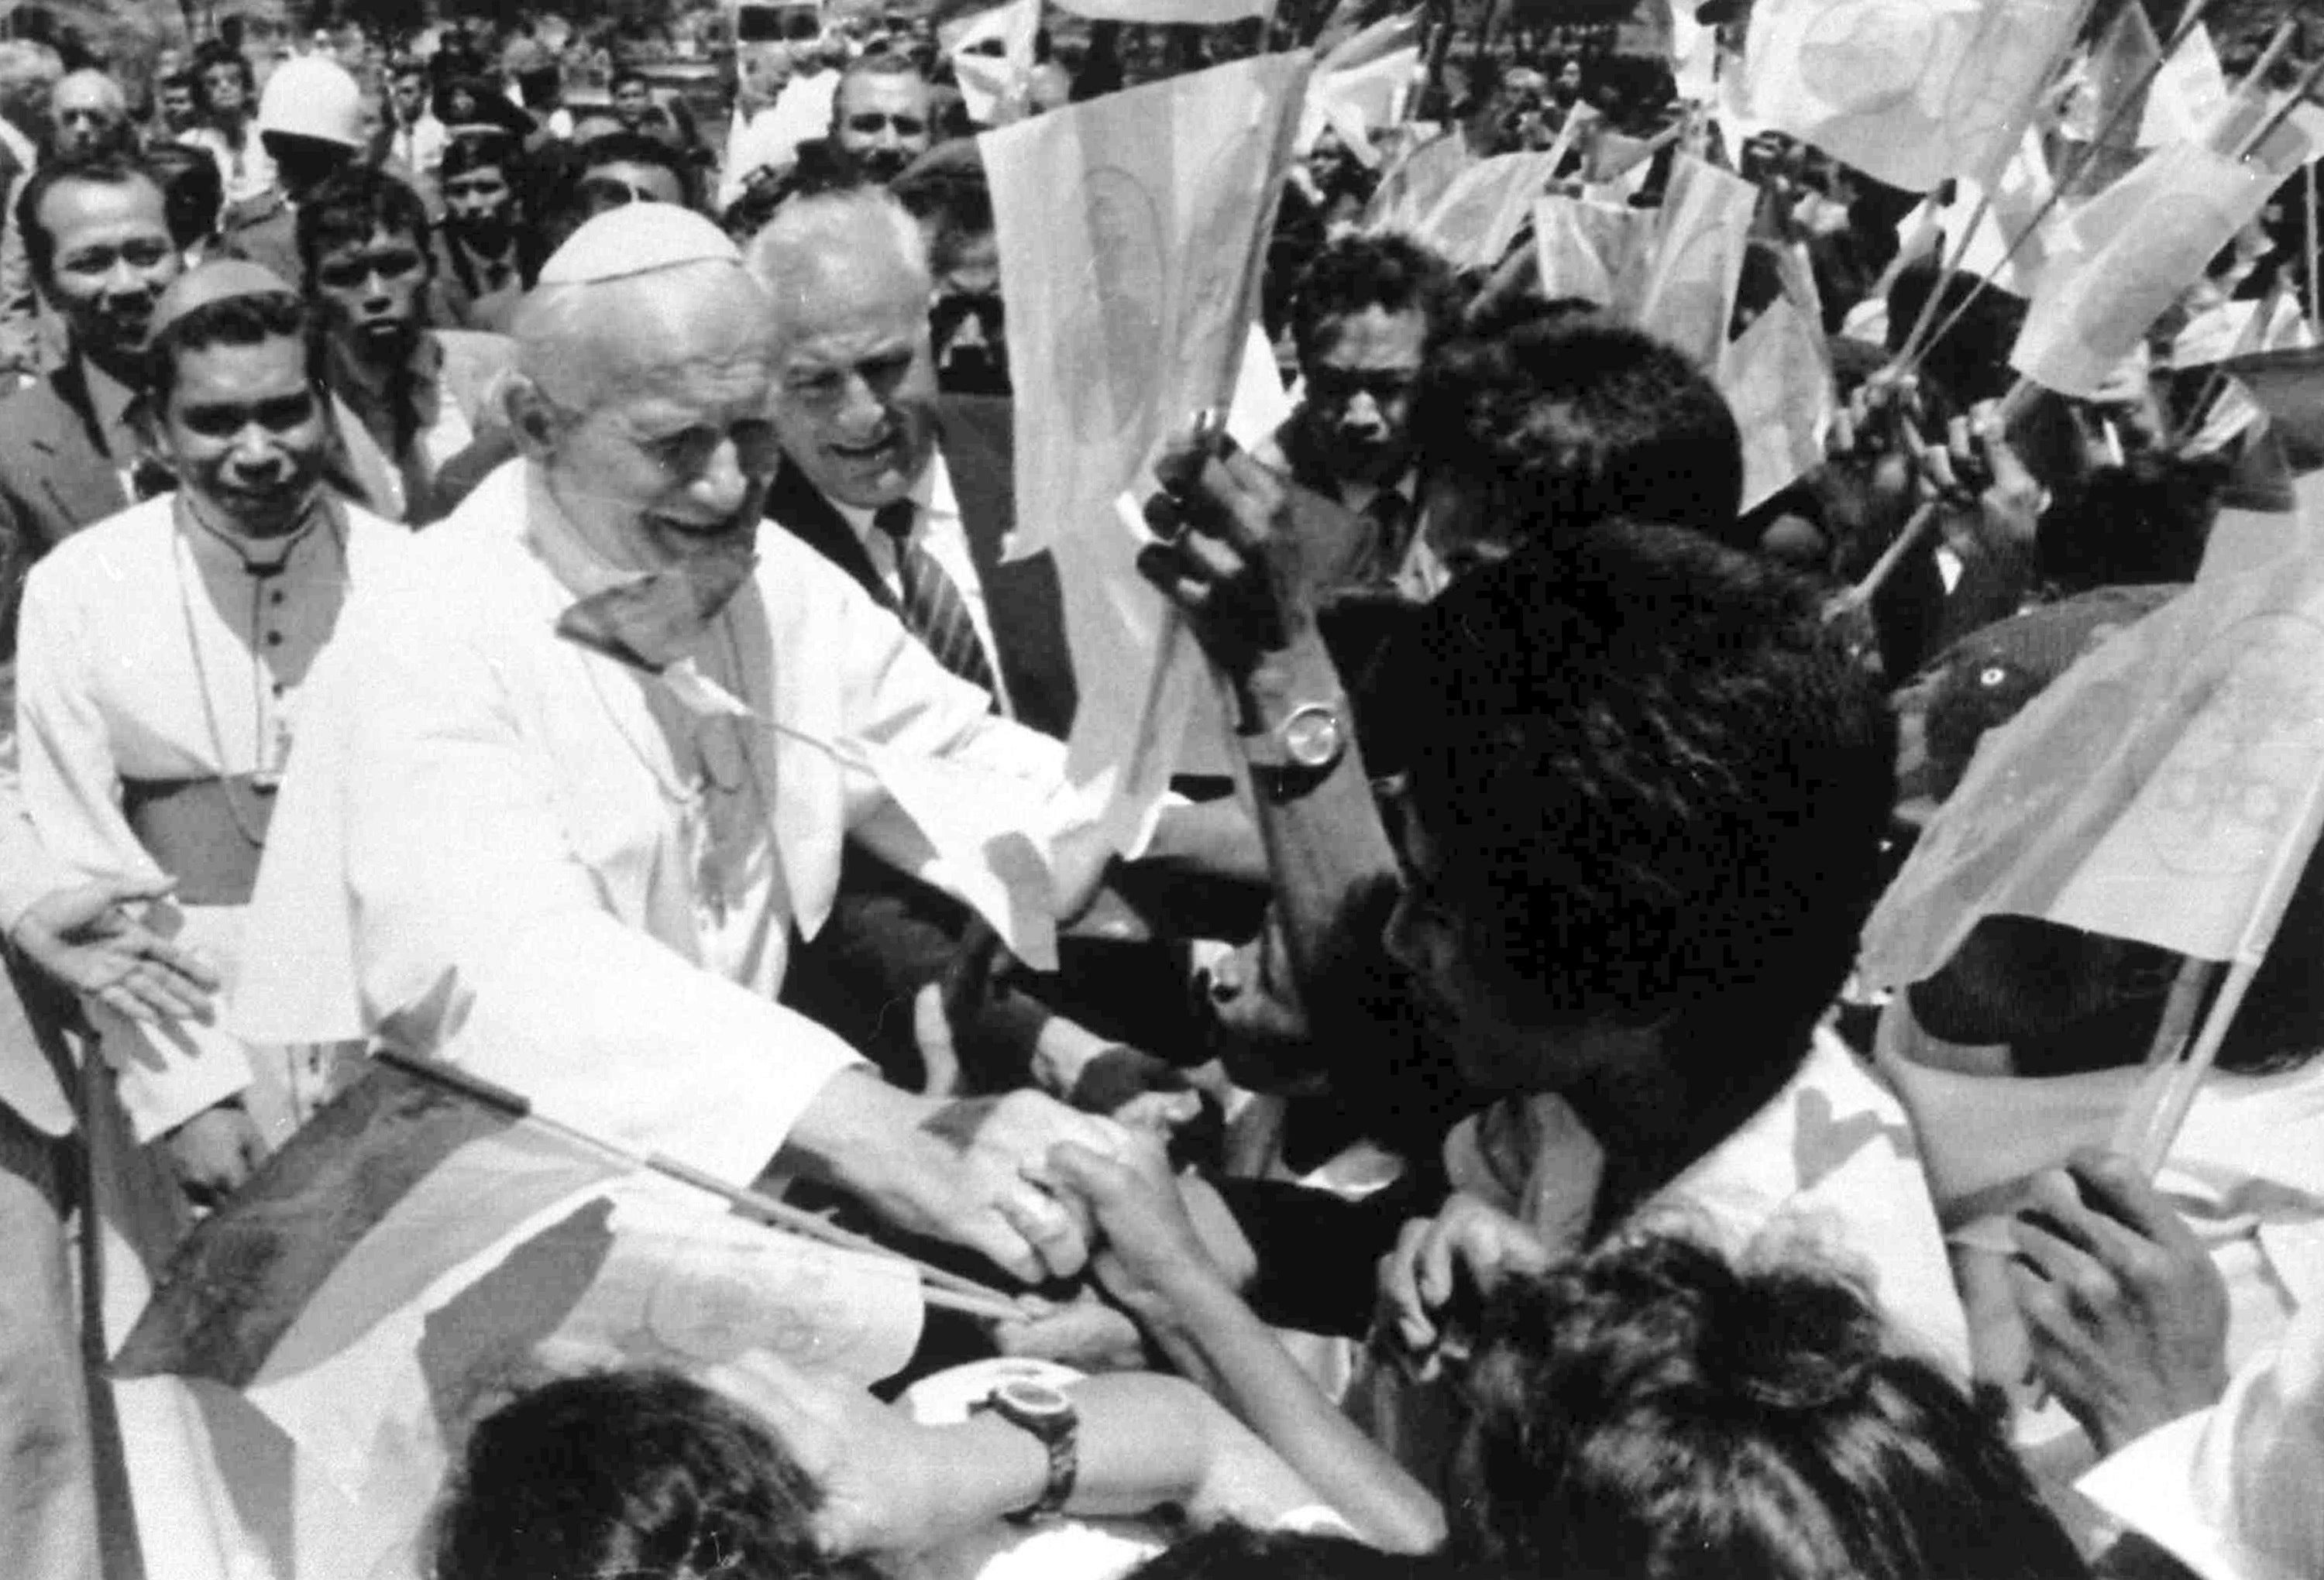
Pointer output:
x,y
637,238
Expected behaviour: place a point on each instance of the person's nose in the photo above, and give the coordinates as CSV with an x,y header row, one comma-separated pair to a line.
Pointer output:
x,y
861,409
725,482
1363,412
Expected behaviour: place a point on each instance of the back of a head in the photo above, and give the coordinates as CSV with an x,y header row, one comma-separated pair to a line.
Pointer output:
x,y
28,70
1652,1413
1238,1552
1657,786
643,1475
1568,421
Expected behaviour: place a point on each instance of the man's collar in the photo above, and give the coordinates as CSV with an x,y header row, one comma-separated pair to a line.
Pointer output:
x,y
931,492
369,384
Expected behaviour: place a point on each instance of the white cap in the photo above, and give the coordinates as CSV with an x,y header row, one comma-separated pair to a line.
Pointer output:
x,y
637,238
310,96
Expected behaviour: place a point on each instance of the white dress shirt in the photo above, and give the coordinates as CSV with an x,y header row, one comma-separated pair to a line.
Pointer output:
x,y
938,529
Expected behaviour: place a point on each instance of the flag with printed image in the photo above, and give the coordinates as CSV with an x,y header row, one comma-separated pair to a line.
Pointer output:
x,y
2150,793
1911,92
1688,297
1597,250
2188,95
1777,377
1415,182
2140,245
2108,109
1481,212
411,1255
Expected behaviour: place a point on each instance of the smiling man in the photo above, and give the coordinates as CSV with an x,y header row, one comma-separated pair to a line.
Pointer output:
x,y
572,784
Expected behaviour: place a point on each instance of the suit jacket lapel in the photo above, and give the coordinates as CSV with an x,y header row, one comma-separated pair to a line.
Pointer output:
x,y
799,506
81,481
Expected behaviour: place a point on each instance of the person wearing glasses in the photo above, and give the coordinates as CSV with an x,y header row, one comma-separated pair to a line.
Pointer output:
x,y
409,397
881,116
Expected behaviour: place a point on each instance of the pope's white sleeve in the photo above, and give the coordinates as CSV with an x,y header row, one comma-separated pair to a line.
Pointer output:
x,y
480,937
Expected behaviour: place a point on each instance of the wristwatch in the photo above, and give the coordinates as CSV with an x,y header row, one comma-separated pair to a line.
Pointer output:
x,y
1047,1413
1298,754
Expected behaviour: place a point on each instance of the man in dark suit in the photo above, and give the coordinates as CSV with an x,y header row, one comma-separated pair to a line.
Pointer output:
x,y
96,236
911,492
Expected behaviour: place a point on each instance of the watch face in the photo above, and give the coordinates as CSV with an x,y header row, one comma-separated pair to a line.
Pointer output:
x,y
1032,1399
1312,737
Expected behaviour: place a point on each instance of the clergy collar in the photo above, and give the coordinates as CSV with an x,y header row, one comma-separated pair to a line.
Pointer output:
x,y
257,557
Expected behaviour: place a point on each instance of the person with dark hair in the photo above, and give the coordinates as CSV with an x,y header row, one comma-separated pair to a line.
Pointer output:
x,y
487,254
412,140
193,195
417,396
879,116
635,111
160,663
226,97
623,167
97,242
947,192
1543,431
1238,1552
175,109
1652,1412
641,1473
761,1471
310,120
1366,314
1647,793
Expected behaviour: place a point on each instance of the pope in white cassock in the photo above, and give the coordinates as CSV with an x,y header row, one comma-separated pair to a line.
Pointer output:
x,y
569,778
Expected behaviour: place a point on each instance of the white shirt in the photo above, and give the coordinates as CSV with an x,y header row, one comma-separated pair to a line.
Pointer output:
x,y
247,173
148,651
938,529
494,849
420,146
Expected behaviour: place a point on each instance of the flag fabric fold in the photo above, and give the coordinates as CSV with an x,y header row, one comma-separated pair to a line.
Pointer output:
x,y
1688,295
993,83
2147,794
1911,92
411,1255
1777,377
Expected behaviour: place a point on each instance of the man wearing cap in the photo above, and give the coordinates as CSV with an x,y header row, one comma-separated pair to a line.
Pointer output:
x,y
310,120
161,655
159,660
569,784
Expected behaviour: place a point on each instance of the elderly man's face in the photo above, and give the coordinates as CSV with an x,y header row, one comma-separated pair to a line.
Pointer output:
x,y
373,294
86,113
674,458
245,431
113,259
856,386
882,122
1359,391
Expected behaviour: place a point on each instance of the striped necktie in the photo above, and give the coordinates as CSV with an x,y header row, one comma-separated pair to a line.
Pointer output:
x,y
931,606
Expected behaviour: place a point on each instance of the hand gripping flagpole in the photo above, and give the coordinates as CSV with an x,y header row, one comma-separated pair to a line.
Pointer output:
x,y
940,1288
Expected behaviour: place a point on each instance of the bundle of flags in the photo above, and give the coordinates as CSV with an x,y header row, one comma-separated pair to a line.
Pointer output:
x,y
991,55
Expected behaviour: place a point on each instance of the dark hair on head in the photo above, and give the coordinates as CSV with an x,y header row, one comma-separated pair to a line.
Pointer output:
x,y
640,1474
353,205
193,193
1651,1412
953,199
1229,1551
405,66
218,52
1656,787
2128,526
96,167
1971,362
1391,272
475,151
1565,421
623,77
880,63
242,320
625,147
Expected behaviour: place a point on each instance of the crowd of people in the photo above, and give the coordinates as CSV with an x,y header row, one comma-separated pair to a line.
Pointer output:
x,y
465,558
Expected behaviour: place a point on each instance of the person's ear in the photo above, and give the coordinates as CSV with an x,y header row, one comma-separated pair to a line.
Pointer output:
x,y
535,421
